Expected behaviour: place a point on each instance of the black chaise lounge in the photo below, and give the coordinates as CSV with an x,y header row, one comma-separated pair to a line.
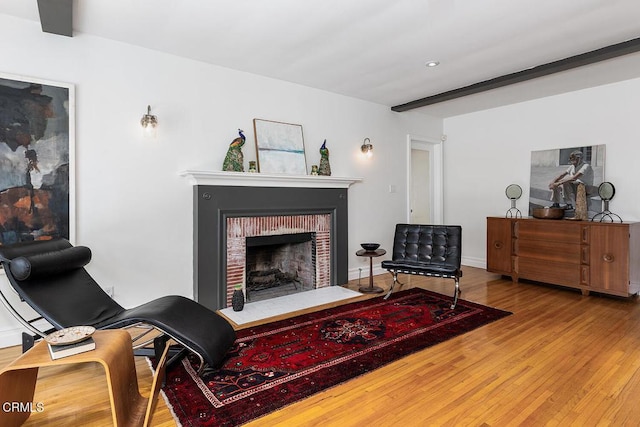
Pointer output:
x,y
50,277
427,250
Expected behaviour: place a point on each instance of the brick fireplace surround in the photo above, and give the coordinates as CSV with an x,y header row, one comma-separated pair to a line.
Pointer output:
x,y
239,228
228,205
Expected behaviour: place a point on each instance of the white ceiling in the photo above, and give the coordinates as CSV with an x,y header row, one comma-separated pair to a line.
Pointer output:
x,y
376,50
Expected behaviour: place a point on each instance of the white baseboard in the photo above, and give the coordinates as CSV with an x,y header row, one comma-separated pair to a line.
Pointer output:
x,y
363,273
12,336
474,262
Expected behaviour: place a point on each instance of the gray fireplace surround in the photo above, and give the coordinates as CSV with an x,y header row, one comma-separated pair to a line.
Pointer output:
x,y
213,204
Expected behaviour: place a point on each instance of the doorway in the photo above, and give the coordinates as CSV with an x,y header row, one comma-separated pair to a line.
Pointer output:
x,y
424,181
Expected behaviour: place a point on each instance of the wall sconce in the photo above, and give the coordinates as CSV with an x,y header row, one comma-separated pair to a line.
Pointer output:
x,y
149,123
367,147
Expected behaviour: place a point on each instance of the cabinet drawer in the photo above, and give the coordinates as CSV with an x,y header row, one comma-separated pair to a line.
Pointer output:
x,y
558,273
548,251
549,231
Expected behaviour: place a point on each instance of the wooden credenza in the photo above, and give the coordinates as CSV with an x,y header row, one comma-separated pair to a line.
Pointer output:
x,y
590,256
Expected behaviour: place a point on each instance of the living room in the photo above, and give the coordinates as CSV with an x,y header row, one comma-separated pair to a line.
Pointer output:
x,y
135,210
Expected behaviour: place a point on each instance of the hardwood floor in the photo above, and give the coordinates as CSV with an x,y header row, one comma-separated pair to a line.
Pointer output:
x,y
560,359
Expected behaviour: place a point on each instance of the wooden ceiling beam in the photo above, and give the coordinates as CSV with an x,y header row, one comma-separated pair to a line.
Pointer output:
x,y
602,54
56,16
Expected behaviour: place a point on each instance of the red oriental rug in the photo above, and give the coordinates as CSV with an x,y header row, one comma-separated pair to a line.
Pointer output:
x,y
279,363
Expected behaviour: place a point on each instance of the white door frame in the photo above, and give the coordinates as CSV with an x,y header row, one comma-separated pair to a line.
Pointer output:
x,y
434,147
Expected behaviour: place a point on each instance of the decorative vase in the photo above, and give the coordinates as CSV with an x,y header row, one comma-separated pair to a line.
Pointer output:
x,y
237,300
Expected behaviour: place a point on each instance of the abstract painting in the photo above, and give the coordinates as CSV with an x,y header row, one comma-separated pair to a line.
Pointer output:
x,y
280,147
36,160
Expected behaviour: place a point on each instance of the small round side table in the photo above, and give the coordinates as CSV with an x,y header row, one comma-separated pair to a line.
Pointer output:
x,y
371,255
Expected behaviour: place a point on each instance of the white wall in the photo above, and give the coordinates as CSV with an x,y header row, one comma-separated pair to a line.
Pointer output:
x,y
133,210
488,150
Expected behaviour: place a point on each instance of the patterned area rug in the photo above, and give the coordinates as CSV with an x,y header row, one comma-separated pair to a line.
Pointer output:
x,y
279,363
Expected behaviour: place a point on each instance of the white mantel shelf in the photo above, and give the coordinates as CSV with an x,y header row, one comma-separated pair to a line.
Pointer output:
x,y
247,179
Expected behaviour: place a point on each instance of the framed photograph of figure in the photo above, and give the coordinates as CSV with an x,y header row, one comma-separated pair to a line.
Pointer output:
x,y
37,157
550,177
280,147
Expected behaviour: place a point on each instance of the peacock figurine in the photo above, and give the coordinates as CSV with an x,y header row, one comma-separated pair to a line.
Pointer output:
x,y
234,160
325,167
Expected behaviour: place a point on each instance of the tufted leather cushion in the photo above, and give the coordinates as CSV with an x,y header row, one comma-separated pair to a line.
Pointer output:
x,y
50,263
427,247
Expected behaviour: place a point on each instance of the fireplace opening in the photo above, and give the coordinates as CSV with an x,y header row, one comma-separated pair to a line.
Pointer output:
x,y
279,265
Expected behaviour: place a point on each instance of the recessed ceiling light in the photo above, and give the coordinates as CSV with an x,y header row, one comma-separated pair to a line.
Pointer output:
x,y
431,64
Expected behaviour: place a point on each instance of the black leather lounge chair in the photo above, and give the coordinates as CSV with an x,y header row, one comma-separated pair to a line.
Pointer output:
x,y
427,250
50,277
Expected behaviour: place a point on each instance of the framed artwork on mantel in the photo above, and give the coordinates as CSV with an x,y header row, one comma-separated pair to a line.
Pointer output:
x,y
280,147
37,185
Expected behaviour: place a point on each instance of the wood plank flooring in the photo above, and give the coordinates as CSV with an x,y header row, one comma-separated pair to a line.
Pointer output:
x,y
561,359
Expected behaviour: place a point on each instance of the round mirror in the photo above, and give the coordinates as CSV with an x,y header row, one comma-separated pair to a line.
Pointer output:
x,y
606,191
513,192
